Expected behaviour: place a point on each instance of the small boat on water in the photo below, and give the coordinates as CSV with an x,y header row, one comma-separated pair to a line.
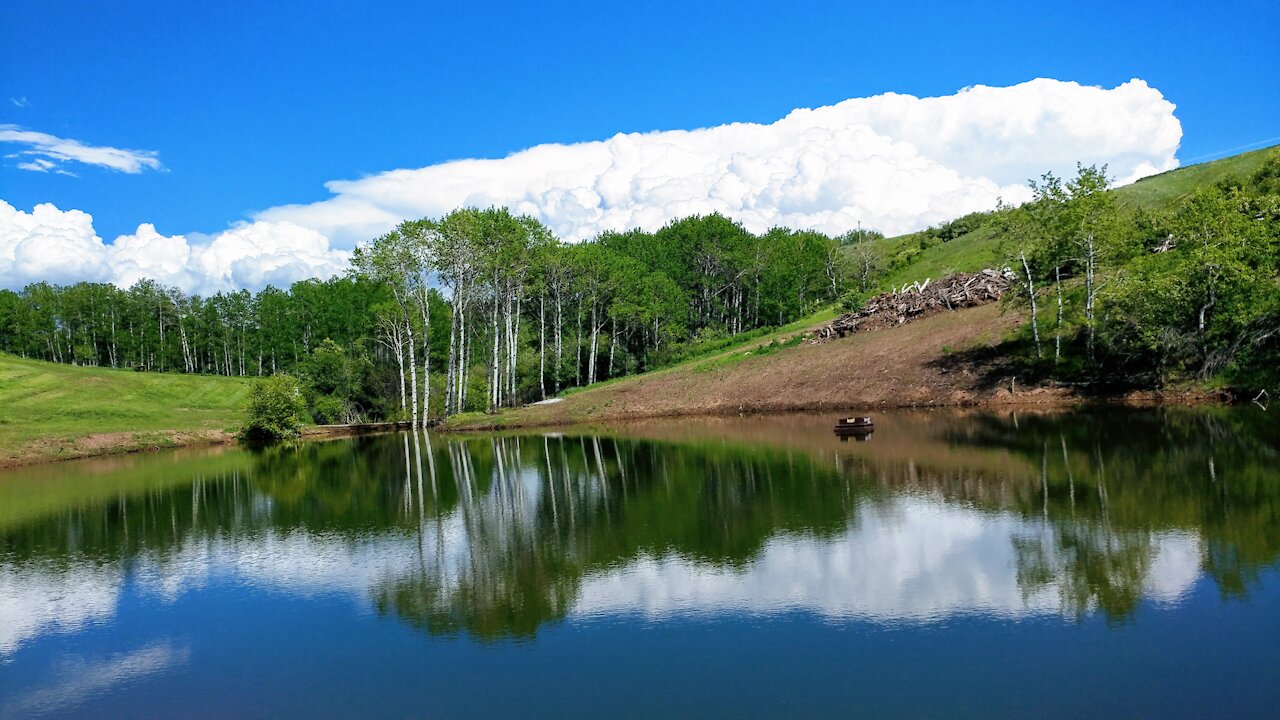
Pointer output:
x,y
860,425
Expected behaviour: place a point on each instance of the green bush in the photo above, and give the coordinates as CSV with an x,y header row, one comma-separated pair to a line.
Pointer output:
x,y
704,342
853,300
275,410
338,385
777,344
328,409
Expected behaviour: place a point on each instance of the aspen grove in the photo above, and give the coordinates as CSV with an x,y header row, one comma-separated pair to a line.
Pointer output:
x,y
474,311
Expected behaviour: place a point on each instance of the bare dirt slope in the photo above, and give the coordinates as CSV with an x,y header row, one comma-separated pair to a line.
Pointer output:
x,y
944,359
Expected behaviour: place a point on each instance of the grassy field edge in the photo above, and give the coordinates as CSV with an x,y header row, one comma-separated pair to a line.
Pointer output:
x,y
54,412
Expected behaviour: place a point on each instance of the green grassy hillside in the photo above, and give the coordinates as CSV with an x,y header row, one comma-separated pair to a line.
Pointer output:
x,y
1163,190
50,411
979,248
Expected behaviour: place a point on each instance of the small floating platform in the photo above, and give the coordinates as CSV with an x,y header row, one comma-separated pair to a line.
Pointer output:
x,y
852,425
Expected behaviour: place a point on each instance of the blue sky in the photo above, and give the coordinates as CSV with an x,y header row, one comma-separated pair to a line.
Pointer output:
x,y
251,105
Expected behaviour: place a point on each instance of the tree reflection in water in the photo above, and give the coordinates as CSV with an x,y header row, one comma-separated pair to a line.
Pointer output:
x,y
495,536
531,516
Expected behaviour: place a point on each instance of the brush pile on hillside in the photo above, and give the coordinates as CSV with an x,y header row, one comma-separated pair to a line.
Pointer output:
x,y
917,300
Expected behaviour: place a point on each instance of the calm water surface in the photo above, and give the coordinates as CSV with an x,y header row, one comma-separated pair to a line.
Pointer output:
x,y
1086,564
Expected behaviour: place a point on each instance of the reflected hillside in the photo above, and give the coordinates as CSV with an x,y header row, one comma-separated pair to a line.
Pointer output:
x,y
1211,472
495,536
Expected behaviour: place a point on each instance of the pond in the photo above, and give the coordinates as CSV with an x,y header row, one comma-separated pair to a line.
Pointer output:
x,y
1103,562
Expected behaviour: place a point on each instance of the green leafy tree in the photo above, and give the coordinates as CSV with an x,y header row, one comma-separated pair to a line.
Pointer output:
x,y
275,409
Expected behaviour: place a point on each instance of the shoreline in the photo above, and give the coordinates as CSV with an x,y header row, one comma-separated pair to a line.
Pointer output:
x,y
1039,398
942,361
1042,398
114,444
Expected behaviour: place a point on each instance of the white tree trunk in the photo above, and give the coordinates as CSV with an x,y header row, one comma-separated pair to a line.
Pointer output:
x,y
494,387
591,362
515,350
404,402
464,357
1031,293
559,332
1090,264
1057,333
542,346
426,354
613,343
413,369
577,372
451,376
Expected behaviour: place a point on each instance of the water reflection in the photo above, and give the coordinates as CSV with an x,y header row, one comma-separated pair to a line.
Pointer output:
x,y
497,536
79,678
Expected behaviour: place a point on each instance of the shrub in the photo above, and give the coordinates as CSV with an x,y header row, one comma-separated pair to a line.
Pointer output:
x,y
337,385
275,410
329,410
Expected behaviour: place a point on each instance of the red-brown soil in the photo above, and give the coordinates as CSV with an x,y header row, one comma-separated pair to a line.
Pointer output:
x,y
948,358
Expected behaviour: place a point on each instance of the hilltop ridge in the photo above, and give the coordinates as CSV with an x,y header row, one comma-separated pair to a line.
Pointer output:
x,y
967,244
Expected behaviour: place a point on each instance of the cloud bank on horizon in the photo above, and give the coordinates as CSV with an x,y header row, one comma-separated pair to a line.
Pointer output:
x,y
892,162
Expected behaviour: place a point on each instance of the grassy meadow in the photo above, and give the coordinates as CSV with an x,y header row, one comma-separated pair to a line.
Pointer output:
x,y
50,411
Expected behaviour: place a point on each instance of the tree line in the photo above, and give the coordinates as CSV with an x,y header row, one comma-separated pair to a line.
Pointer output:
x,y
474,311
1116,293
483,309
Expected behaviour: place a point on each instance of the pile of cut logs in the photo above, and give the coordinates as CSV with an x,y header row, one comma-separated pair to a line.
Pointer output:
x,y
909,302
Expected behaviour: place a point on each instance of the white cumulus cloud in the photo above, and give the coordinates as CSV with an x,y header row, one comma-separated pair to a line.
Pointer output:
x,y
49,151
61,246
892,162
48,244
